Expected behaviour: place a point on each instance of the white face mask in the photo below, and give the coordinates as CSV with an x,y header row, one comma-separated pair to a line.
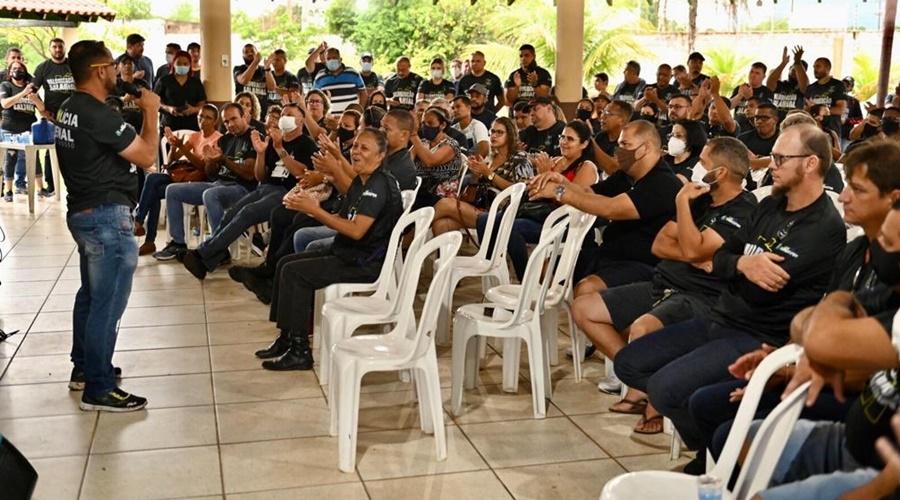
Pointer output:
x,y
287,124
170,58
437,73
676,146
701,177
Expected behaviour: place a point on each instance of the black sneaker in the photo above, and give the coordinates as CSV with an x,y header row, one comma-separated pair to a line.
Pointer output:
x,y
589,350
261,287
171,251
238,273
258,244
194,263
43,193
76,380
8,196
115,400
21,190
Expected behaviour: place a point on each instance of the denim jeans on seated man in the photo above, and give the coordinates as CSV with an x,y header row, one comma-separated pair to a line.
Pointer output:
x,y
215,196
308,235
108,257
322,244
245,213
153,192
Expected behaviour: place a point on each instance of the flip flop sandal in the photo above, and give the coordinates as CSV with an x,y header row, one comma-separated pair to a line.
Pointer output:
x,y
633,407
644,421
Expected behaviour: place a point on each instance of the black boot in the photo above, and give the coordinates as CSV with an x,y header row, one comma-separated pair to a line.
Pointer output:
x,y
298,357
278,348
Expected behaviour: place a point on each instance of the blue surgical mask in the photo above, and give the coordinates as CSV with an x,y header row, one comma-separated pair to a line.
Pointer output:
x,y
182,70
333,64
366,66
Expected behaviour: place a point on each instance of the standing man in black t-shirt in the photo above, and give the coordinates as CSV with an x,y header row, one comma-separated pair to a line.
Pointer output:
x,y
97,151
370,79
490,81
827,91
752,88
54,77
543,134
279,81
143,66
695,69
529,80
401,87
251,76
283,157
777,264
659,93
788,94
632,88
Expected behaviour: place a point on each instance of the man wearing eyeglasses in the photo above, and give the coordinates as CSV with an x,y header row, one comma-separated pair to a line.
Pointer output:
x,y
543,134
97,152
761,138
679,108
777,264
612,120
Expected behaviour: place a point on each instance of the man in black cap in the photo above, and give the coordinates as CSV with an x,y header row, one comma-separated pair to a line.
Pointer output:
x,y
371,79
143,66
695,68
852,112
543,134
478,95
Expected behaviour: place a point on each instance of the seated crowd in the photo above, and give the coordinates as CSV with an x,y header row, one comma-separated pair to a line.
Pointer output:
x,y
693,279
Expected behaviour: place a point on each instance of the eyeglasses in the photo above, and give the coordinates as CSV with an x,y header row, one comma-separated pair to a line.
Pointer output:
x,y
103,64
779,160
761,118
676,106
607,113
495,131
567,138
312,102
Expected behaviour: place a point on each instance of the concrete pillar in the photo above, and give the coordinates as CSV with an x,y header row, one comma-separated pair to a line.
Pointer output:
x,y
569,53
70,36
215,50
887,43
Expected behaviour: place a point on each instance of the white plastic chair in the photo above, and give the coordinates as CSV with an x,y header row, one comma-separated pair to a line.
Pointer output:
x,y
762,192
489,267
559,295
342,315
397,350
523,321
409,195
666,484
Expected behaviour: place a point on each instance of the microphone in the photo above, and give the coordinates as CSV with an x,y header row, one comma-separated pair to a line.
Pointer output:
x,y
130,88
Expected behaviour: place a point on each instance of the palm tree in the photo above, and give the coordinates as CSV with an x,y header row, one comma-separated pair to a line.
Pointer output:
x,y
731,67
607,41
865,73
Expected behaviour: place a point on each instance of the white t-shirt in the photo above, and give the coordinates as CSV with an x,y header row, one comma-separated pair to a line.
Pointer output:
x,y
475,133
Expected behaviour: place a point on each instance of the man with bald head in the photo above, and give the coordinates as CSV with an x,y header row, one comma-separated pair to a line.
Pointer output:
x,y
777,264
638,200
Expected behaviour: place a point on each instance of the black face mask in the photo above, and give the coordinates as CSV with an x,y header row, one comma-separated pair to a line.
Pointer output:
x,y
345,135
890,127
869,131
430,133
18,75
885,264
583,114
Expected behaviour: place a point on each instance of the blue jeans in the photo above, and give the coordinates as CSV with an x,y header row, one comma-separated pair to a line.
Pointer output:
x,y
306,235
249,210
322,244
524,231
14,163
148,208
214,195
108,256
670,365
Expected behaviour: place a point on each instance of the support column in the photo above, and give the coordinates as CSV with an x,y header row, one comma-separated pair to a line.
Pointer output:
x,y
69,36
569,54
887,42
215,50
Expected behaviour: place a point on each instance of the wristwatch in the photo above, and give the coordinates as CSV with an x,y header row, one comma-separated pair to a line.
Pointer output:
x,y
560,191
491,176
282,153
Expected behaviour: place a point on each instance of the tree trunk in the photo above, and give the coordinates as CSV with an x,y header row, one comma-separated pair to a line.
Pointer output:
x,y
692,24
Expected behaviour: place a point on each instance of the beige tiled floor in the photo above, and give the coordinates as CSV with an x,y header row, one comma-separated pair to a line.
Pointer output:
x,y
218,425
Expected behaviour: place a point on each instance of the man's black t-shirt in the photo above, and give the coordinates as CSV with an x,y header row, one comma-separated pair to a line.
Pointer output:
x,y
379,198
89,138
434,91
283,81
20,116
491,81
256,85
787,96
300,149
236,148
664,94
713,131
57,82
401,166
486,117
130,111
756,144
629,92
371,81
542,140
809,240
403,90
526,90
172,93
306,79
725,220
653,196
828,93
740,111
606,144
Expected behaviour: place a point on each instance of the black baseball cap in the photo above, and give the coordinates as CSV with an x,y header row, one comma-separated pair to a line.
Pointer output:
x,y
696,55
536,101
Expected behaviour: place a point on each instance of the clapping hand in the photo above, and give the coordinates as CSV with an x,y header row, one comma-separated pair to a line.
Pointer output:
x,y
478,166
542,162
259,143
300,202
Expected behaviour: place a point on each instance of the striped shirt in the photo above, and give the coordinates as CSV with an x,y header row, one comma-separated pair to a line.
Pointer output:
x,y
343,87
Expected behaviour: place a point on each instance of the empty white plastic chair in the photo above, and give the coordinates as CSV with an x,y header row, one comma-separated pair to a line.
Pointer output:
x,y
674,485
397,350
409,195
523,321
341,316
492,268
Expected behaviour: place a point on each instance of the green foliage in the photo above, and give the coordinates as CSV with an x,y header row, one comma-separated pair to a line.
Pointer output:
x,y
865,72
185,12
276,29
780,24
731,67
128,10
33,40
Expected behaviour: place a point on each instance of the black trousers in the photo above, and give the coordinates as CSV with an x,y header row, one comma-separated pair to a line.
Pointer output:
x,y
283,223
298,276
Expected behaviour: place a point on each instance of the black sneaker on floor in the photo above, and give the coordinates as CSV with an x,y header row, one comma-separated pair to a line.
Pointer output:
x,y
76,380
21,190
194,263
171,251
43,193
8,196
115,400
237,273
261,287
589,350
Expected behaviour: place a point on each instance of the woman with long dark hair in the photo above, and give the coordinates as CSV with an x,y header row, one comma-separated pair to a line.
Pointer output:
x,y
19,101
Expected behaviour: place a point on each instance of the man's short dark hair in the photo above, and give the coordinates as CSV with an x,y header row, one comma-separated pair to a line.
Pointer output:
x,y
133,39
679,67
82,55
768,106
520,106
634,66
404,119
664,66
687,98
295,106
464,98
56,40
824,60
173,45
280,52
527,47
732,153
760,65
233,105
623,107
193,45
12,50
602,76
879,156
